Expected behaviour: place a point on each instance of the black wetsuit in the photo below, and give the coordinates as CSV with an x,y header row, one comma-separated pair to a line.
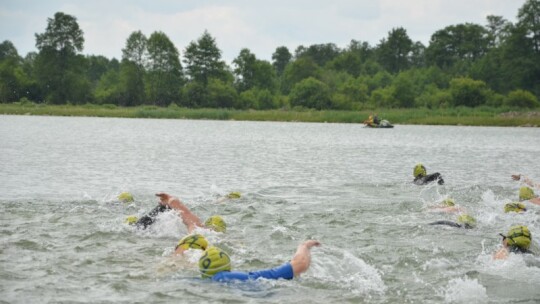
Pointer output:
x,y
150,218
452,224
423,180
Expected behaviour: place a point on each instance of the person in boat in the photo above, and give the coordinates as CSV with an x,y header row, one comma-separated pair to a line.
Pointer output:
x,y
370,122
376,119
422,178
517,240
463,221
215,264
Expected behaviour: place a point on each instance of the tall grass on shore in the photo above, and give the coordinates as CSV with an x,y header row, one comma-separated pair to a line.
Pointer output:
x,y
481,116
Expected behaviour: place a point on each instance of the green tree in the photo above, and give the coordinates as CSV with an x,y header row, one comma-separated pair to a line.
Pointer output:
x,y
310,93
403,92
164,72
521,99
468,92
319,53
59,70
299,70
529,19
136,49
394,52
280,58
349,62
497,28
131,88
463,42
203,60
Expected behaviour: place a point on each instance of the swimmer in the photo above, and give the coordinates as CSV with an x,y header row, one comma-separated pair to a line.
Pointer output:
x,y
517,240
189,219
514,207
526,180
231,196
447,205
463,221
147,219
527,194
422,178
216,265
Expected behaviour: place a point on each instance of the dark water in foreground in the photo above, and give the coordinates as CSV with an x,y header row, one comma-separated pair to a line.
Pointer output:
x,y
64,240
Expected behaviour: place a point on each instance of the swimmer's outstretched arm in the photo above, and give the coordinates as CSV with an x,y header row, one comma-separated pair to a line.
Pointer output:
x,y
302,258
501,254
190,220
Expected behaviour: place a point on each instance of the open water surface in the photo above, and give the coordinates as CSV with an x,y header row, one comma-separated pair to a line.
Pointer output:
x,y
63,236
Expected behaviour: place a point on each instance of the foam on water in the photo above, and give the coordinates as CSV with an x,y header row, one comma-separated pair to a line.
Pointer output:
x,y
465,290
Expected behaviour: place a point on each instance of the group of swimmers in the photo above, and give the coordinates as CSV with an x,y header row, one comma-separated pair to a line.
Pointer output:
x,y
518,238
215,263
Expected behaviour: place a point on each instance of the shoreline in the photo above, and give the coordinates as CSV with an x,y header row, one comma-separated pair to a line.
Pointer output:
x,y
497,117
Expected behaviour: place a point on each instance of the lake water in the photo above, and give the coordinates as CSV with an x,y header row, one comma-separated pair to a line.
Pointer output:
x,y
63,236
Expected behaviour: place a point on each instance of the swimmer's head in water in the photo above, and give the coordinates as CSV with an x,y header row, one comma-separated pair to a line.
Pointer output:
x,y
514,207
193,241
216,223
131,219
234,195
125,197
525,193
518,237
448,202
467,220
213,261
419,171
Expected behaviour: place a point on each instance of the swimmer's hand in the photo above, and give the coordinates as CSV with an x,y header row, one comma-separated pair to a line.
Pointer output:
x,y
164,198
516,177
311,243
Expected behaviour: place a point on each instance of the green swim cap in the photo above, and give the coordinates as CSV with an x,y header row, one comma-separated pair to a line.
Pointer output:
x,y
519,236
419,170
514,207
194,241
525,193
131,219
216,223
233,195
213,261
449,202
467,220
125,197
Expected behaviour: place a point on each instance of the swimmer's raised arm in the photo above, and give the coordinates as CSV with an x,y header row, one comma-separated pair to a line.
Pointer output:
x,y
302,258
190,220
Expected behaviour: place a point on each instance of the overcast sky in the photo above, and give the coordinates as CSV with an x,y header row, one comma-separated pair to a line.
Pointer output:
x,y
260,26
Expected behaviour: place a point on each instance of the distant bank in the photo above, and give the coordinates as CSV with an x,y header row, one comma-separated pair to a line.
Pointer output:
x,y
481,116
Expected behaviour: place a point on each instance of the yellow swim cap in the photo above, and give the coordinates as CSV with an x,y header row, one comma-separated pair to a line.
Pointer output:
x,y
132,219
514,207
213,261
419,170
125,197
519,236
449,202
233,195
467,220
216,223
194,241
525,193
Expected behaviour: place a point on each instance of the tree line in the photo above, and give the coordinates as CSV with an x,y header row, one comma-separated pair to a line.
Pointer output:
x,y
496,64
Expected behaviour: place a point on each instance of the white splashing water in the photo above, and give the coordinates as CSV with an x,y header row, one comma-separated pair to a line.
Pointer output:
x,y
465,291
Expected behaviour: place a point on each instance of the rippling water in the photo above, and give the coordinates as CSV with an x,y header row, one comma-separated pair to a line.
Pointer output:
x,y
64,239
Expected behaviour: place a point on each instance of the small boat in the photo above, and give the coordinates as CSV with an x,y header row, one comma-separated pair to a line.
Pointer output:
x,y
383,124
